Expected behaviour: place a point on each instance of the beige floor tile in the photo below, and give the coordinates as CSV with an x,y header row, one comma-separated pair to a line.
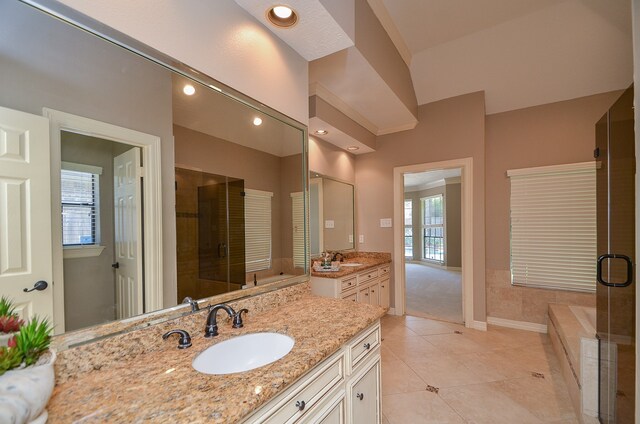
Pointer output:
x,y
425,327
493,366
486,404
418,408
455,344
397,377
411,347
384,420
387,354
398,331
446,371
546,398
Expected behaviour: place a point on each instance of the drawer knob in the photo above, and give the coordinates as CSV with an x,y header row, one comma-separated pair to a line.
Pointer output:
x,y
367,346
360,396
300,405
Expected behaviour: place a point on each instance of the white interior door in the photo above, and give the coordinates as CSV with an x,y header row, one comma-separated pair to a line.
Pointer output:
x,y
25,213
128,236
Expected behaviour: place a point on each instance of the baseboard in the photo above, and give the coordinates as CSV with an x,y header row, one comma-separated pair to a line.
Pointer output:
x,y
454,268
391,311
518,325
479,325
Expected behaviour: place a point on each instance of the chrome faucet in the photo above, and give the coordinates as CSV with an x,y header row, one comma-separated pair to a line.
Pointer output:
x,y
193,303
211,329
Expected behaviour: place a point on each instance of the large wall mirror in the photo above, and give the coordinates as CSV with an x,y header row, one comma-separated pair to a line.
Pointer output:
x,y
331,214
129,181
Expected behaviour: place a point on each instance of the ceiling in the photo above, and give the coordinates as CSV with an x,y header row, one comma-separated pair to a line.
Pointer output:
x,y
425,180
521,53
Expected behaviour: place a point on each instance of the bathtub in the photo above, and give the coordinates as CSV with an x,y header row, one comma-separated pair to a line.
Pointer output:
x,y
572,330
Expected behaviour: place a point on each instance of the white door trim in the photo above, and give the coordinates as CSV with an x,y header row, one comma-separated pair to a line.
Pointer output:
x,y
152,198
466,164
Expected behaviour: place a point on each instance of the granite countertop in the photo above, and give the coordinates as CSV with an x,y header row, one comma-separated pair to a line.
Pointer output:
x,y
161,386
369,261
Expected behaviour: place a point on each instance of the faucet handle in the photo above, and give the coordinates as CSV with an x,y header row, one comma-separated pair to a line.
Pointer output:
x,y
237,318
185,338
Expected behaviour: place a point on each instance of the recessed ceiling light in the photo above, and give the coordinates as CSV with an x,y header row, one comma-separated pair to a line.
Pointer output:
x,y
257,121
321,132
189,89
282,16
353,148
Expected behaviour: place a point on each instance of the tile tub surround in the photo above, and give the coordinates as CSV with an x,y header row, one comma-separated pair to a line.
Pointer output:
x,y
526,304
367,259
158,383
577,348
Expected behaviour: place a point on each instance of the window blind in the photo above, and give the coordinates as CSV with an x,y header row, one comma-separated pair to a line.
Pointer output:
x,y
79,189
257,218
553,226
299,248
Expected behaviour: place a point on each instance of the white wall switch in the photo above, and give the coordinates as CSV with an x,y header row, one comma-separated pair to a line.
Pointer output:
x,y
350,238
329,223
385,223
361,238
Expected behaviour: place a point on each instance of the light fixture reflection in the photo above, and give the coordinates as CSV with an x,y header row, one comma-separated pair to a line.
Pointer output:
x,y
257,121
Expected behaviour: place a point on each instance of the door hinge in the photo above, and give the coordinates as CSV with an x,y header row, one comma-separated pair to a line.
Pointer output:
x,y
596,152
141,171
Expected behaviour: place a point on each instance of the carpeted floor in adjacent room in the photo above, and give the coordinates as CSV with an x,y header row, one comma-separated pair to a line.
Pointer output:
x,y
434,292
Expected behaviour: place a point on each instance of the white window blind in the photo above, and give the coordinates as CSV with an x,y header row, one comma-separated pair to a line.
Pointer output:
x,y
299,248
257,221
553,226
79,190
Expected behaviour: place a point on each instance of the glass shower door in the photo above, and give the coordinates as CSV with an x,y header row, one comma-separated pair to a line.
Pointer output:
x,y
616,256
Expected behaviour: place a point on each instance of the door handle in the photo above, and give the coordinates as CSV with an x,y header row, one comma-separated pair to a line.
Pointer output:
x,y
116,265
219,247
39,286
625,258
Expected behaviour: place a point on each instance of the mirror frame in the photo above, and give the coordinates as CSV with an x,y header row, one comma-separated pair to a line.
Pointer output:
x,y
76,19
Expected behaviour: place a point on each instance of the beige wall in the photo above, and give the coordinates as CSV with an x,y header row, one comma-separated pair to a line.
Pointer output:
x,y
449,129
551,134
218,38
332,161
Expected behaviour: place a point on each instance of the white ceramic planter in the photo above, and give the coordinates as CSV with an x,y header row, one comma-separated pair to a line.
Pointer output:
x,y
24,392
5,337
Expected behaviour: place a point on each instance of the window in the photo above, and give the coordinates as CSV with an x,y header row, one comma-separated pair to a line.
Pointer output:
x,y
257,221
433,228
553,227
408,229
79,189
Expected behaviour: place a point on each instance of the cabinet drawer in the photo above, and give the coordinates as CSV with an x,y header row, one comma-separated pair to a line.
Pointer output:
x,y
349,283
368,275
333,411
309,393
364,345
384,271
352,295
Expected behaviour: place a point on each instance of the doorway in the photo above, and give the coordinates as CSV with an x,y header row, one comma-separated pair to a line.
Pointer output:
x,y
428,262
433,248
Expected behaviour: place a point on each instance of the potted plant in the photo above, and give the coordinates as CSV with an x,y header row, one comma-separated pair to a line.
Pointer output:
x,y
26,374
10,322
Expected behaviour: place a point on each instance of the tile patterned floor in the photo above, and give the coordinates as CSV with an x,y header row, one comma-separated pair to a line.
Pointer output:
x,y
437,372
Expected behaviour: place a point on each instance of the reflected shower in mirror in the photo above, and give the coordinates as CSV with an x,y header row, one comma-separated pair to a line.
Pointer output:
x,y
331,214
145,185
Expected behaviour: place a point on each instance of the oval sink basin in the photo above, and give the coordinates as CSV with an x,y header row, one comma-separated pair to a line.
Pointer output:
x,y
243,353
350,264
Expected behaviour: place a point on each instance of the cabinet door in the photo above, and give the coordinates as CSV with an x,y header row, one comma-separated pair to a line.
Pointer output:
x,y
384,293
363,295
374,294
365,397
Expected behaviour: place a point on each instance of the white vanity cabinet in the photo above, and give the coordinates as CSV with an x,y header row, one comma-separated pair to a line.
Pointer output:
x,y
369,286
343,389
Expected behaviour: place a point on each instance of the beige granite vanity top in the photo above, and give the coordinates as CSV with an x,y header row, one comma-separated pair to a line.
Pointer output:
x,y
367,259
160,386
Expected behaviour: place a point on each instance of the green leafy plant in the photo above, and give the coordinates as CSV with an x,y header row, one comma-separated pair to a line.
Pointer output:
x,y
10,358
7,308
33,340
